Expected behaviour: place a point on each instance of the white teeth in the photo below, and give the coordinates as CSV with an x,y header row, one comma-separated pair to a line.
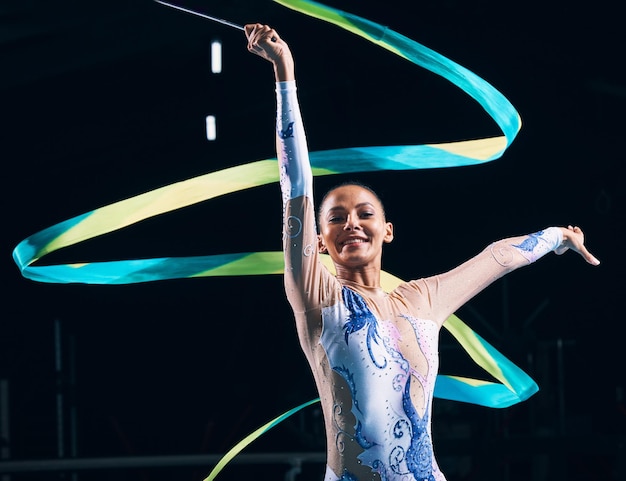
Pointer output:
x,y
353,241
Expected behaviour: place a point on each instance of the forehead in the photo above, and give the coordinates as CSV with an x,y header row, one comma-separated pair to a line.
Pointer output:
x,y
348,196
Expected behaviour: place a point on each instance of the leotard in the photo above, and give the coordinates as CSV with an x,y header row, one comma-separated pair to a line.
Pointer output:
x,y
374,354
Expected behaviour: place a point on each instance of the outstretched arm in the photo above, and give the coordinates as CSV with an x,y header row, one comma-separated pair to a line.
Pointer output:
x,y
454,288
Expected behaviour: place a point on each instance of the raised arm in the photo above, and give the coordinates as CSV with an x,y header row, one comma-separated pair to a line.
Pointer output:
x,y
303,270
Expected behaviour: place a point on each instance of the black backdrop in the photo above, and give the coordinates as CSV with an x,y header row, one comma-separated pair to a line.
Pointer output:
x,y
104,100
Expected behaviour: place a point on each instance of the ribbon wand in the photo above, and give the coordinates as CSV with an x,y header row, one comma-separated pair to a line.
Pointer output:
x,y
209,17
203,15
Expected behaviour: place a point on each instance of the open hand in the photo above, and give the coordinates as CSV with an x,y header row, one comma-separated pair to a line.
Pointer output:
x,y
574,239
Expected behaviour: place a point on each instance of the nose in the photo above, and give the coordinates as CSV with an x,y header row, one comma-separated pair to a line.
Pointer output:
x,y
352,223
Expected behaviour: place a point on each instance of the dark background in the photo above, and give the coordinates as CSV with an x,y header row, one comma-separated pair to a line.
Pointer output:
x,y
100,101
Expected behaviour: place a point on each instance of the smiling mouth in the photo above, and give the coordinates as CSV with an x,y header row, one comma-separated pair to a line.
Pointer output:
x,y
354,241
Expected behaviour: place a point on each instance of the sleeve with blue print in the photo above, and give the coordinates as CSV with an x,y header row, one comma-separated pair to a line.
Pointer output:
x,y
540,243
295,171
304,273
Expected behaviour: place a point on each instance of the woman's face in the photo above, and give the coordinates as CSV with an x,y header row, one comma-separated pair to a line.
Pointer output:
x,y
353,227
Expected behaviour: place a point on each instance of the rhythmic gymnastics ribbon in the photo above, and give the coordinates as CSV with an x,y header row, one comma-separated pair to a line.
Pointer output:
x,y
514,385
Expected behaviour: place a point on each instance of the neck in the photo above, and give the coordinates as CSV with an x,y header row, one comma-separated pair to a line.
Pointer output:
x,y
366,275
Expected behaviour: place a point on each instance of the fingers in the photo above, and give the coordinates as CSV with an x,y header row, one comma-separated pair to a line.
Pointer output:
x,y
588,256
259,37
267,44
576,242
594,261
575,229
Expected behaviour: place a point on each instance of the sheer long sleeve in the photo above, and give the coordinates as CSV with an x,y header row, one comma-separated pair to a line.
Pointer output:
x,y
303,270
449,291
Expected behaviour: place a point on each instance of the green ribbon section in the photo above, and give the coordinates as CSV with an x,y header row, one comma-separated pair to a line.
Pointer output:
x,y
513,384
237,448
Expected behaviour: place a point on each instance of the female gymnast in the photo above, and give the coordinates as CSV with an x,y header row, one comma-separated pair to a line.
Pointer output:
x,y
373,354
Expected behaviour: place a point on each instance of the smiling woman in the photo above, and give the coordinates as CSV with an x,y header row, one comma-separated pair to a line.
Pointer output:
x,y
372,349
373,353
353,229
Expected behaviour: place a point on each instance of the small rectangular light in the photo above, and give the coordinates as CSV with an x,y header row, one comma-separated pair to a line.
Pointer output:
x,y
216,56
211,130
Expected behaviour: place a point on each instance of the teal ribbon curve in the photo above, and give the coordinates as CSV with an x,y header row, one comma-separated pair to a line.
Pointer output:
x,y
514,385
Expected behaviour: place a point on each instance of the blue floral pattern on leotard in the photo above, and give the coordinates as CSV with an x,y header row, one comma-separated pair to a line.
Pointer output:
x,y
530,243
420,454
363,351
361,317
